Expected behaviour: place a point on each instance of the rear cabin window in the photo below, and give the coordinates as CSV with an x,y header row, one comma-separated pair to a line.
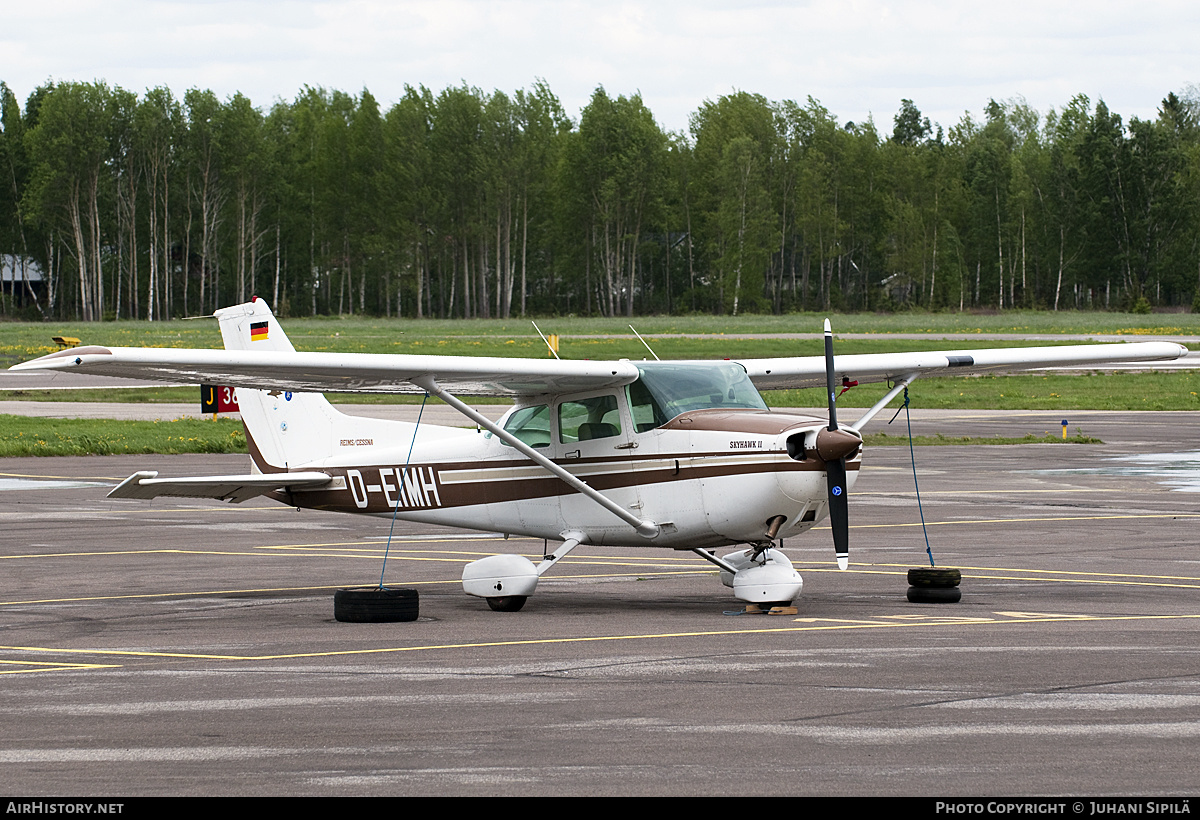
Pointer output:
x,y
531,425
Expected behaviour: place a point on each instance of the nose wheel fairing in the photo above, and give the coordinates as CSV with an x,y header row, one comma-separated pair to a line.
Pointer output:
x,y
759,576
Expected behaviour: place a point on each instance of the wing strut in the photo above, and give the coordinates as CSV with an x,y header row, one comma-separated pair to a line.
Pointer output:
x,y
646,529
901,383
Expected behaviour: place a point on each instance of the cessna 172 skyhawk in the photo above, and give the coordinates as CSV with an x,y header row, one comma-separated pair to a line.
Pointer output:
x,y
675,455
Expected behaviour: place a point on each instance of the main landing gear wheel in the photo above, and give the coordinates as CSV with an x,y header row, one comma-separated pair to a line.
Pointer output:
x,y
507,603
934,595
934,585
375,605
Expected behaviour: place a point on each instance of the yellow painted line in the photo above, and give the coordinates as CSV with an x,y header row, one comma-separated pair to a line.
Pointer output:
x,y
128,653
99,511
1047,575
660,567
458,558
378,550
461,539
533,556
145,595
357,549
62,477
1094,581
1042,491
26,667
1063,572
250,550
203,593
1000,622
1048,519
106,553
809,625
636,561
1099,581
390,583
374,552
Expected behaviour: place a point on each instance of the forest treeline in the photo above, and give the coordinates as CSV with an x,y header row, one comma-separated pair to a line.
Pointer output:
x,y
463,203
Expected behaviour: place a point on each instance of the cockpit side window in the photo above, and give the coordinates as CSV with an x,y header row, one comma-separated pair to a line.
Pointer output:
x,y
647,414
531,425
588,419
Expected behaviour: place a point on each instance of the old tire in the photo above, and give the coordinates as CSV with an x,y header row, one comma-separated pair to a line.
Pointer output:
x,y
934,577
375,605
934,595
507,603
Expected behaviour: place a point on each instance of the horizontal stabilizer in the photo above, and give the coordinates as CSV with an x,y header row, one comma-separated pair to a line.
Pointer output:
x,y
232,488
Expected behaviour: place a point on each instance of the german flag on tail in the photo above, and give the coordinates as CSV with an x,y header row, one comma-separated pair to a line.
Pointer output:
x,y
258,331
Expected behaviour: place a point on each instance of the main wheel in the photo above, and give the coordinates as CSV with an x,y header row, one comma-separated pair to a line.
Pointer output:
x,y
375,605
934,595
507,603
934,577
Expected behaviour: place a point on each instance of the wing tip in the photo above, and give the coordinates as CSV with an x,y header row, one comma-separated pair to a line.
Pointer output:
x,y
61,359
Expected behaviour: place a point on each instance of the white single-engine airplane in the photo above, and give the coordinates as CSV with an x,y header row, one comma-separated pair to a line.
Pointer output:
x,y
675,455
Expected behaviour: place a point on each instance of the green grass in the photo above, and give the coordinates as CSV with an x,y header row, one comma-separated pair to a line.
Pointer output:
x,y
716,346
23,436
124,395
886,439
516,337
1120,390
191,395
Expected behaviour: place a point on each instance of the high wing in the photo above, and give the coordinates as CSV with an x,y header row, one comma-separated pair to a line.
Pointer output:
x,y
232,488
340,372
490,376
809,371
259,355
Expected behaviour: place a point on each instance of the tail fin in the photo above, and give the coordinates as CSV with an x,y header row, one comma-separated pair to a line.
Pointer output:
x,y
284,430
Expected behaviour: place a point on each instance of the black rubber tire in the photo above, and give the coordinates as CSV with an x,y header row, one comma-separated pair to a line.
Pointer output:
x,y
373,605
934,595
934,577
507,603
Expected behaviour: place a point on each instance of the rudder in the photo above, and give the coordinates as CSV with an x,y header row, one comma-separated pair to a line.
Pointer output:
x,y
285,430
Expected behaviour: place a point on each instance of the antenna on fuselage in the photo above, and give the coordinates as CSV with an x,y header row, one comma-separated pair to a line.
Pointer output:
x,y
553,352
643,341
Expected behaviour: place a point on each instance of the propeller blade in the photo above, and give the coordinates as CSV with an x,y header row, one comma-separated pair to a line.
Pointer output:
x,y
830,381
839,514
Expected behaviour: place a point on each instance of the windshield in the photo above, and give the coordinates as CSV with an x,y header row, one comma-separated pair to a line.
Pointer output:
x,y
665,390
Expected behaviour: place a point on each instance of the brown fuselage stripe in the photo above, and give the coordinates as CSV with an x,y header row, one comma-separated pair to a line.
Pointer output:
x,y
483,491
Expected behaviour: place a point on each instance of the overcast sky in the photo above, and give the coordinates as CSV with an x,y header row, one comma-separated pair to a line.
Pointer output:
x,y
857,57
